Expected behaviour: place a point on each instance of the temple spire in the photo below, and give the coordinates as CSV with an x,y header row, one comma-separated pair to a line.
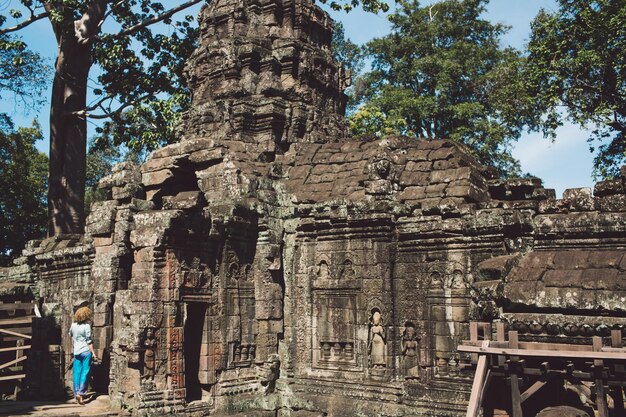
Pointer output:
x,y
264,75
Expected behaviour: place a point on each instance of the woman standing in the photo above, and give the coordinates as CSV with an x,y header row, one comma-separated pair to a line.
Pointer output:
x,y
80,331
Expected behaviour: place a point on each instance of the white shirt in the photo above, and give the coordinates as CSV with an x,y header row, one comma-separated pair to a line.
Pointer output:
x,y
81,337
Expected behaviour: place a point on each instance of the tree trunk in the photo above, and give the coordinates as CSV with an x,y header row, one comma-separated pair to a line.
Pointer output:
x,y
68,136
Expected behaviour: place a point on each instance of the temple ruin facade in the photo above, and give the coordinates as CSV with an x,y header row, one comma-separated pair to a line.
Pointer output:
x,y
269,264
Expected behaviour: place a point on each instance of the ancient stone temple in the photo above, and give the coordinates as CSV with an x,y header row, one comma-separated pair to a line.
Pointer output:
x,y
269,264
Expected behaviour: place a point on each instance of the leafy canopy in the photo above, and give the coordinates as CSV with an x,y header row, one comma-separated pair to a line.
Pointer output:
x,y
143,89
23,184
23,169
577,62
351,57
23,74
442,73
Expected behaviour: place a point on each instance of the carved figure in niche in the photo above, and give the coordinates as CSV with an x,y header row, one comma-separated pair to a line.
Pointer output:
x,y
435,280
457,281
194,276
377,341
410,351
347,271
270,372
322,270
247,272
233,270
149,354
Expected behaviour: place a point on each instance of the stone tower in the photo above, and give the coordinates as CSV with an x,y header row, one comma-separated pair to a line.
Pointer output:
x,y
264,76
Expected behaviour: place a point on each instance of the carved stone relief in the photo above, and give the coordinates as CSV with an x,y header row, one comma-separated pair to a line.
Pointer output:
x,y
377,341
149,354
410,345
335,325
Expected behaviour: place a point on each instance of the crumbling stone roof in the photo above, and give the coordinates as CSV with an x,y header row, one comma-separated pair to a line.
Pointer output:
x,y
413,171
558,279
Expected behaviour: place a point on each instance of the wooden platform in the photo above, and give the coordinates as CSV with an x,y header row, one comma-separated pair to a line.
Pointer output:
x,y
582,366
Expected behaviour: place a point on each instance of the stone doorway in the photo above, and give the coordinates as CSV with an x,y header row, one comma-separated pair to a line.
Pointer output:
x,y
195,348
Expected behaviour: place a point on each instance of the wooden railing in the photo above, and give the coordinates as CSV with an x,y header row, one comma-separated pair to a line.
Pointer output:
x,y
603,366
15,337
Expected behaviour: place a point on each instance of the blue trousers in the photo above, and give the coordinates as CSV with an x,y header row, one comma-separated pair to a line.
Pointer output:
x,y
80,372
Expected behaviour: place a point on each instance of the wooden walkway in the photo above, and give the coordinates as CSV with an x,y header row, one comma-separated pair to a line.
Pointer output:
x,y
582,366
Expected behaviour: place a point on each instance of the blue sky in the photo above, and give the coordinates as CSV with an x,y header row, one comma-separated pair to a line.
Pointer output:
x,y
564,163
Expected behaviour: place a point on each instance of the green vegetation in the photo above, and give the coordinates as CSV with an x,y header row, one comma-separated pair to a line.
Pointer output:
x,y
442,73
23,186
577,70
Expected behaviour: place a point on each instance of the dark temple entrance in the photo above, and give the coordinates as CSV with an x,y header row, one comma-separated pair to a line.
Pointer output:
x,y
195,339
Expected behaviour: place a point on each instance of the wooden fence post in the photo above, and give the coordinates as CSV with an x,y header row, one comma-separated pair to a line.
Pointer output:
x,y
601,404
516,398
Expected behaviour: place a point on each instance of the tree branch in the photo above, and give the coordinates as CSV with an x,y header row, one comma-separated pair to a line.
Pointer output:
x,y
109,12
97,104
617,125
33,18
156,19
84,113
89,24
55,25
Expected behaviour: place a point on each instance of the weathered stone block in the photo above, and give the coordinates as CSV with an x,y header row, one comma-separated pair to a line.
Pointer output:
x,y
101,218
183,201
450,175
543,193
436,190
605,258
148,236
166,151
438,313
420,166
574,259
443,345
551,206
159,164
125,173
496,268
127,192
577,193
609,187
579,199
442,153
521,292
155,178
601,279
613,203
563,278
526,274
412,193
